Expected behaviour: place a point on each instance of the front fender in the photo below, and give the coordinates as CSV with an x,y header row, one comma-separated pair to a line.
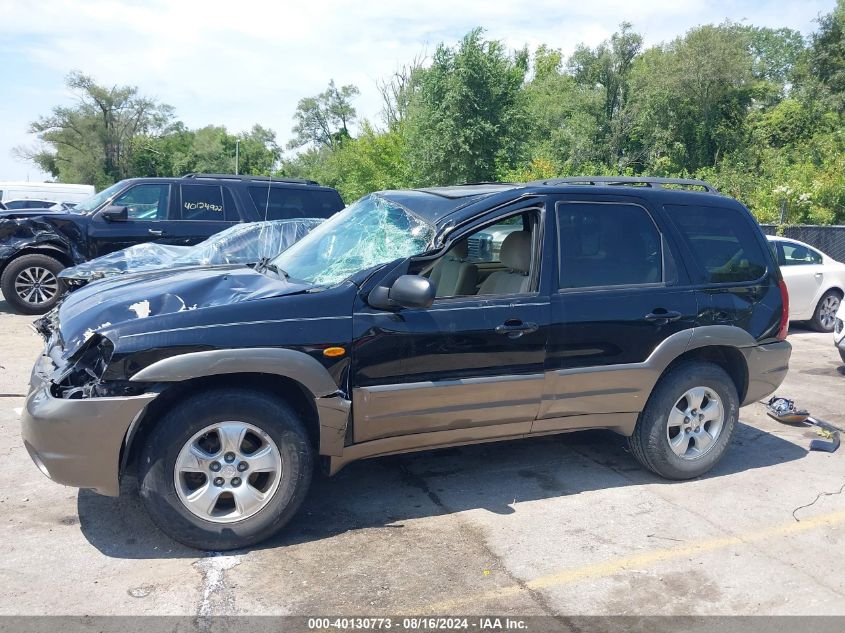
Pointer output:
x,y
267,360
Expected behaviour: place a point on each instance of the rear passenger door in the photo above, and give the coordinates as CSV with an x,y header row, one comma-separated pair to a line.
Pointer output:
x,y
200,211
619,294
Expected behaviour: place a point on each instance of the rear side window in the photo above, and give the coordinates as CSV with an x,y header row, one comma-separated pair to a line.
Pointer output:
x,y
283,203
607,245
722,240
202,203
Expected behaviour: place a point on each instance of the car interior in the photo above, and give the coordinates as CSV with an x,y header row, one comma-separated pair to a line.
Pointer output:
x,y
461,272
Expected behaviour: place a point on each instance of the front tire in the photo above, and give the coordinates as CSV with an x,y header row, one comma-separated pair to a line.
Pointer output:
x,y
688,421
30,283
225,469
824,317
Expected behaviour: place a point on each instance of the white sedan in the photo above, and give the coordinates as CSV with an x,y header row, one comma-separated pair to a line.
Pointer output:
x,y
815,282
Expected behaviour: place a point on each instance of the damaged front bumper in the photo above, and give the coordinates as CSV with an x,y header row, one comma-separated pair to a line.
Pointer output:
x,y
77,442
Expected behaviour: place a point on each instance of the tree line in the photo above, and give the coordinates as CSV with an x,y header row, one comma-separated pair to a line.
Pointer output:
x,y
756,111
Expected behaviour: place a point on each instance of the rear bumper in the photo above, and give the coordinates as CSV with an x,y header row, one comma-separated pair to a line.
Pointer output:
x,y
767,367
77,442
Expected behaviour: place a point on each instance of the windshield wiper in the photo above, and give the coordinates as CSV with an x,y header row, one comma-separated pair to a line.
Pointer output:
x,y
265,263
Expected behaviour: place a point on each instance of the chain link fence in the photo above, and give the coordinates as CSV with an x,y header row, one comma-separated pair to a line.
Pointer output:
x,y
828,239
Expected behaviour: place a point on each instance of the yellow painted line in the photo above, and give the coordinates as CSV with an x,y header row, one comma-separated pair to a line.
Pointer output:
x,y
638,561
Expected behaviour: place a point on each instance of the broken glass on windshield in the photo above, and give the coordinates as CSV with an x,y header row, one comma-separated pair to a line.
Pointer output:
x,y
368,233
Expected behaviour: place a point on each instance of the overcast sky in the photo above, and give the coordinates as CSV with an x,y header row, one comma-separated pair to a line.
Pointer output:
x,y
239,63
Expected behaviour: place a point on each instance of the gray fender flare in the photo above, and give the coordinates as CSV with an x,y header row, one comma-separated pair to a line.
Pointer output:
x,y
264,360
332,406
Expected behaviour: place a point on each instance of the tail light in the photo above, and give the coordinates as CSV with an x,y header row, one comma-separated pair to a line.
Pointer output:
x,y
784,318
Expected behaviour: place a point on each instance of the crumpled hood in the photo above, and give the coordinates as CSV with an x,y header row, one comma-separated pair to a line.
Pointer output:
x,y
109,302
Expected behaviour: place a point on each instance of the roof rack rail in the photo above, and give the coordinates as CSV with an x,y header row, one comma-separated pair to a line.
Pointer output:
x,y
644,181
297,181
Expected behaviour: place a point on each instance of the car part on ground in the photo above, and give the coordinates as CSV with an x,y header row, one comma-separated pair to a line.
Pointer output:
x,y
246,243
167,211
661,315
784,410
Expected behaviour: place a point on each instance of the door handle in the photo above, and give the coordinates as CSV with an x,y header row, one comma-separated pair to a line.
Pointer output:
x,y
156,232
662,317
818,275
514,328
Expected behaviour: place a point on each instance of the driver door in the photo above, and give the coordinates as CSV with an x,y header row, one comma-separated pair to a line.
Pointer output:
x,y
147,208
467,368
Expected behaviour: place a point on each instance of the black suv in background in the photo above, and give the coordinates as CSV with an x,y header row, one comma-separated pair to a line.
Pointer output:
x,y
652,311
36,245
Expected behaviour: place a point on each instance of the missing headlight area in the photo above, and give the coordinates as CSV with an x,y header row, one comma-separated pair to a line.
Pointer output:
x,y
81,377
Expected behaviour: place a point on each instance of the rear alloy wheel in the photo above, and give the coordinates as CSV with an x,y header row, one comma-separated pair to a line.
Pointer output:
x,y
31,283
695,423
824,318
688,421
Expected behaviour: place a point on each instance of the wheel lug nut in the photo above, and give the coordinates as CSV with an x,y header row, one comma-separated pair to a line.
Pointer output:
x,y
242,466
218,481
214,467
229,457
236,481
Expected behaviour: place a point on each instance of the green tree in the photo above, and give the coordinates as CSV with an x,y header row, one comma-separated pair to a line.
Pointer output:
x,y
324,120
468,115
91,141
606,69
693,96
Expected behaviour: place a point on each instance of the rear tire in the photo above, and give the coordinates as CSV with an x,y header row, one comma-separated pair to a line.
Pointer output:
x,y
679,435
824,316
30,283
210,510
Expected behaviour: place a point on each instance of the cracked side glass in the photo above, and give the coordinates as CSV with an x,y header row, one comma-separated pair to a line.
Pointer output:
x,y
370,232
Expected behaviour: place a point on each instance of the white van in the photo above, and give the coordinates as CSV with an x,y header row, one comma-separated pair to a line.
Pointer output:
x,y
24,195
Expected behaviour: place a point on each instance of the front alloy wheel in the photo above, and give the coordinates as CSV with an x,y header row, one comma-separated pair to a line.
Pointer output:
x,y
225,468
227,472
36,286
30,283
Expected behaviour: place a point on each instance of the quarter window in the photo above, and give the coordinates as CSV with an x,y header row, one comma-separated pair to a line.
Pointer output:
x,y
723,242
607,245
285,203
145,202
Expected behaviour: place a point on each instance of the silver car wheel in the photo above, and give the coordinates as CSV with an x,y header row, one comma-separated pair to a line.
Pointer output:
x,y
827,312
36,285
695,423
227,472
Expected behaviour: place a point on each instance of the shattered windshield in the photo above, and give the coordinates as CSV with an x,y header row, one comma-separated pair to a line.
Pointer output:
x,y
92,202
370,232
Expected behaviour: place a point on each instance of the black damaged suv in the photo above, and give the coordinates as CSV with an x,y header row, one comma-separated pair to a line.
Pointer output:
x,y
414,320
36,245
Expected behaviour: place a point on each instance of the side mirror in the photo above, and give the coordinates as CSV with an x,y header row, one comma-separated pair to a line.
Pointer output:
x,y
115,214
408,291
